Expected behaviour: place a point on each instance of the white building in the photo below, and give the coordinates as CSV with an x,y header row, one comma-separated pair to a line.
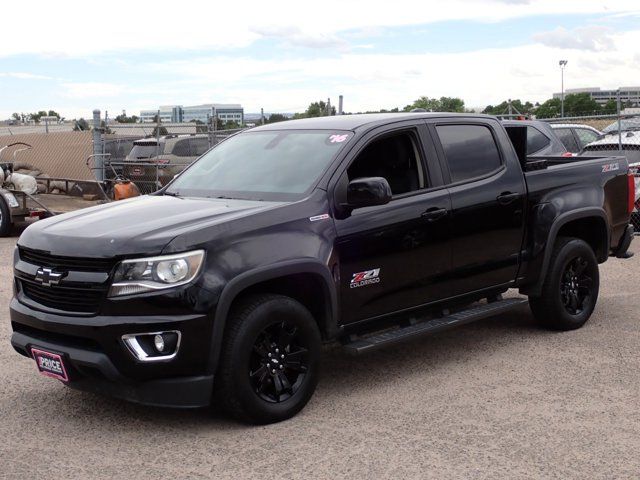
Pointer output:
x,y
627,94
227,112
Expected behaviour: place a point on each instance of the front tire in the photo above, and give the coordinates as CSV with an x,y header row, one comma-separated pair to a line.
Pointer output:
x,y
571,285
269,361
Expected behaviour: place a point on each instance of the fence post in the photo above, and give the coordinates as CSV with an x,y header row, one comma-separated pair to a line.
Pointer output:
x,y
97,146
619,120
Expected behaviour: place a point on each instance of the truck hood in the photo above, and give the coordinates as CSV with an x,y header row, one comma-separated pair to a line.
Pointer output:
x,y
143,225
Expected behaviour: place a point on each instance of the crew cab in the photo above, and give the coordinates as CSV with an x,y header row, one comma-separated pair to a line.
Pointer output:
x,y
362,229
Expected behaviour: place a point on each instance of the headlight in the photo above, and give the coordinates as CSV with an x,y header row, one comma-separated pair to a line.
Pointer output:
x,y
155,273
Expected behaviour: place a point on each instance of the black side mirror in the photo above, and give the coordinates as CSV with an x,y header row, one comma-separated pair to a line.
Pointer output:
x,y
367,192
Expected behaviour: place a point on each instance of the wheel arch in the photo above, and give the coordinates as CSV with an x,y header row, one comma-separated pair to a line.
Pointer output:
x,y
288,278
589,224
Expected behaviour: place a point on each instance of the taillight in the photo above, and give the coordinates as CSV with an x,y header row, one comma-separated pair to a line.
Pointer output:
x,y
631,192
567,154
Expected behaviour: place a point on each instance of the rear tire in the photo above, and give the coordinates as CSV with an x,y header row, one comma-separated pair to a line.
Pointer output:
x,y
269,359
571,285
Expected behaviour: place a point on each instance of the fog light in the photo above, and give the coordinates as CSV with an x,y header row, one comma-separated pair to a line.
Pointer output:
x,y
153,346
158,341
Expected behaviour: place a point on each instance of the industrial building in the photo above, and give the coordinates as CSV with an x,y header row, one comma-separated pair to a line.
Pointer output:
x,y
227,112
628,95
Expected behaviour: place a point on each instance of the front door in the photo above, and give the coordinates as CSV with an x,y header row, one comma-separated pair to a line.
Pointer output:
x,y
394,256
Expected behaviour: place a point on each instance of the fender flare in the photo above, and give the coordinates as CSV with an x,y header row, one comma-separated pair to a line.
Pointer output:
x,y
252,277
560,221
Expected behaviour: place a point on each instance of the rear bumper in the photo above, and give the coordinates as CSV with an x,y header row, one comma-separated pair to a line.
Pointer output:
x,y
93,371
625,241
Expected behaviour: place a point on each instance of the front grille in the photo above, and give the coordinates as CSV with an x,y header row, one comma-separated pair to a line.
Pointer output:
x,y
78,264
83,300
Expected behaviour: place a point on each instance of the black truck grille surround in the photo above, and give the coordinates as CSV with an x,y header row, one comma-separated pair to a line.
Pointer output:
x,y
78,298
66,263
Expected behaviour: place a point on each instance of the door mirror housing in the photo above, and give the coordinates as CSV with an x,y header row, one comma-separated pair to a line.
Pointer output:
x,y
368,192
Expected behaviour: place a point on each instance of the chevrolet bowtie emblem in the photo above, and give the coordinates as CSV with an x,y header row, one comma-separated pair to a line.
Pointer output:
x,y
48,277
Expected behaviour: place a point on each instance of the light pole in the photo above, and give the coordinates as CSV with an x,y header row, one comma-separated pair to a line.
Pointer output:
x,y
562,63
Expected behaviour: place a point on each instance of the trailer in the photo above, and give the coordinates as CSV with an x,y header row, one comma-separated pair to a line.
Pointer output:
x,y
19,208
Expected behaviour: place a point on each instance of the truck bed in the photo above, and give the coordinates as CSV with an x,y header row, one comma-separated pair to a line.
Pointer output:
x,y
64,203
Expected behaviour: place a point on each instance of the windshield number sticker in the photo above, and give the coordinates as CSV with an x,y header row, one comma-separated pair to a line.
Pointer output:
x,y
610,167
338,138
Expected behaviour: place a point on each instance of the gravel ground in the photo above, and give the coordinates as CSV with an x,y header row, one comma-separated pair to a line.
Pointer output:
x,y
500,398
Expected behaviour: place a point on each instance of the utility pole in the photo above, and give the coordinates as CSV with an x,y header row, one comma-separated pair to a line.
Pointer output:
x,y
262,116
562,63
340,99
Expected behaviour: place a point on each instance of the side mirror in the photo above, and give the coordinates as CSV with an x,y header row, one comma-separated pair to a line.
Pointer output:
x,y
367,192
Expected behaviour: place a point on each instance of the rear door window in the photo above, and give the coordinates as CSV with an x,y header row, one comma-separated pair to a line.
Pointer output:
x,y
536,140
470,150
566,137
586,136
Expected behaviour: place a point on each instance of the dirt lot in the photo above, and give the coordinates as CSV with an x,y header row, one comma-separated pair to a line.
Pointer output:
x,y
497,399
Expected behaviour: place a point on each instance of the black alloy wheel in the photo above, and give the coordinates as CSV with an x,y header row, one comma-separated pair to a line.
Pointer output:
x,y
575,285
279,362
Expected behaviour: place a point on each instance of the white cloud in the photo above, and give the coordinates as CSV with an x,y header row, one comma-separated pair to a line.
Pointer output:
x,y
161,25
91,90
24,76
293,36
593,38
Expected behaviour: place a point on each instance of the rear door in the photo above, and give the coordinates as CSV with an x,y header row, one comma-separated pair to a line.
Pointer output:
x,y
488,195
395,256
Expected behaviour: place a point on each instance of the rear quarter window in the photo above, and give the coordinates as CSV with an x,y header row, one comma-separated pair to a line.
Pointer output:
x,y
470,150
536,140
566,137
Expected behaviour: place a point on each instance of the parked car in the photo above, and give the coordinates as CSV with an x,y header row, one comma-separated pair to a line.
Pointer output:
x,y
575,136
365,229
541,138
625,124
153,162
628,145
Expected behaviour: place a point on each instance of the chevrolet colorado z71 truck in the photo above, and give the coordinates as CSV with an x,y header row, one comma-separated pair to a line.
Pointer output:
x,y
366,229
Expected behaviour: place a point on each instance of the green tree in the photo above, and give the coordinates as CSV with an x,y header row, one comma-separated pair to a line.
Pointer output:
x,y
610,107
81,125
503,108
442,104
276,117
549,109
577,104
16,116
122,118
163,131
316,109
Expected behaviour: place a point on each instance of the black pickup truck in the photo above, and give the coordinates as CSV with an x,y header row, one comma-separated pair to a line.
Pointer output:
x,y
366,229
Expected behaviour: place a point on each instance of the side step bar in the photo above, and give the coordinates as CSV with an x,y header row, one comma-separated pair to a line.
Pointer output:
x,y
367,344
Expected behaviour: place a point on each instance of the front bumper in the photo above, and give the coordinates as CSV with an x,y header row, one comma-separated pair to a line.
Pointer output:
x,y
99,362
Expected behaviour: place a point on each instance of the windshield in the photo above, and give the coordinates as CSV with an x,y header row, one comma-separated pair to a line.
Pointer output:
x,y
629,124
263,165
144,151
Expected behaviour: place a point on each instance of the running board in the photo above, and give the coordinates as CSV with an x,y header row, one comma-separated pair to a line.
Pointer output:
x,y
415,330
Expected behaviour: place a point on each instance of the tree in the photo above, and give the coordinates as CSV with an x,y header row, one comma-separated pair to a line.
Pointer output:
x,y
122,118
276,117
503,108
549,109
442,104
578,104
316,109
610,107
16,116
81,125
163,131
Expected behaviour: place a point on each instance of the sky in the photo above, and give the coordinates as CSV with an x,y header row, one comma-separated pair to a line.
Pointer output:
x,y
72,56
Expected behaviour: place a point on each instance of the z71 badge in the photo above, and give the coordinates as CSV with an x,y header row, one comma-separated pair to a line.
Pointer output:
x,y
367,277
610,167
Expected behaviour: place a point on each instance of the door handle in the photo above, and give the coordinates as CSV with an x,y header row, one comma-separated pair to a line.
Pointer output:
x,y
434,214
507,197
